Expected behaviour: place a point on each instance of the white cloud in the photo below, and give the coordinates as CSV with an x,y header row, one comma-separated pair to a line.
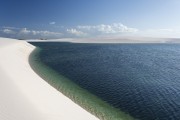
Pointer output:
x,y
24,31
31,34
101,30
8,31
115,28
52,23
76,32
48,33
34,33
45,33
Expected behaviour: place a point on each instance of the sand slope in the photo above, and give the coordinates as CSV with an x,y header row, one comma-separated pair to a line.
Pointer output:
x,y
26,96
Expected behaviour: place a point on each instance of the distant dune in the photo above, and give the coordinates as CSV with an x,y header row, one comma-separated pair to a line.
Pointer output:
x,y
113,40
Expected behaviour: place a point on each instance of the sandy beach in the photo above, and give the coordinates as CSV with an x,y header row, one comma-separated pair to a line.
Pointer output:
x,y
26,96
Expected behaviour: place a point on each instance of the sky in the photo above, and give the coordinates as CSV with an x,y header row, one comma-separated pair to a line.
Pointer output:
x,y
32,19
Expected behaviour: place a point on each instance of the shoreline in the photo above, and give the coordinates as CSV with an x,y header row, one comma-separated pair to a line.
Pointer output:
x,y
122,40
26,96
86,100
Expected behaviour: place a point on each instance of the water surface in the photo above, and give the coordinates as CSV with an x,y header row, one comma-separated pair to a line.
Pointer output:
x,y
140,79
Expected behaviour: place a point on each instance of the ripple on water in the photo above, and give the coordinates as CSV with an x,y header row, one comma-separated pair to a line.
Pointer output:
x,y
140,79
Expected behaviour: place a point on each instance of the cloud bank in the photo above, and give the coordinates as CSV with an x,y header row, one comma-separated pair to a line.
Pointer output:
x,y
102,29
76,32
108,29
24,33
8,31
86,31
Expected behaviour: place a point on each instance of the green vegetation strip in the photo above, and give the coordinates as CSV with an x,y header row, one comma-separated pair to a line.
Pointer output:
x,y
80,96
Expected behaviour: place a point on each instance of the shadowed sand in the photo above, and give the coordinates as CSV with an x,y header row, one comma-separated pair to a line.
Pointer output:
x,y
26,96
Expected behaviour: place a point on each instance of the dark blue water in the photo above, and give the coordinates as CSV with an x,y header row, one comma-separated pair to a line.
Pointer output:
x,y
140,79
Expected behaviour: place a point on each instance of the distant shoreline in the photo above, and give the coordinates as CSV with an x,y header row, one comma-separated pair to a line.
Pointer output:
x,y
113,40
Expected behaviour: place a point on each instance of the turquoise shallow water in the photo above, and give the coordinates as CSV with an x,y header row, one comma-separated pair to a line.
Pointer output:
x,y
142,80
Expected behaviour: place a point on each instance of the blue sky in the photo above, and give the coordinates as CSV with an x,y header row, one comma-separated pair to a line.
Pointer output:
x,y
89,18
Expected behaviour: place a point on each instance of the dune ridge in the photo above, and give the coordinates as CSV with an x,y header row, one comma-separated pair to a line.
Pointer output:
x,y
26,96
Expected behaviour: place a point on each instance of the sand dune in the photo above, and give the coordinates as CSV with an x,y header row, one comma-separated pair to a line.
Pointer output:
x,y
26,96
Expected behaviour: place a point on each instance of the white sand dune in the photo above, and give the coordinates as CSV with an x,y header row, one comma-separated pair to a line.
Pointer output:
x,y
26,96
